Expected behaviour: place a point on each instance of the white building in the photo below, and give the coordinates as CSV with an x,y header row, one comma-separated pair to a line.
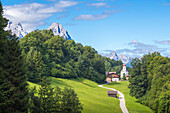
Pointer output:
x,y
124,71
111,77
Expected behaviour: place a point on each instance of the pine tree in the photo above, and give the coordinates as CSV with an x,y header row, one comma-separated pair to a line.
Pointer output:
x,y
14,71
35,65
70,102
124,77
5,90
49,98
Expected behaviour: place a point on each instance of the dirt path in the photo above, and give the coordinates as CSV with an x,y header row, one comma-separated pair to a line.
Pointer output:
x,y
121,98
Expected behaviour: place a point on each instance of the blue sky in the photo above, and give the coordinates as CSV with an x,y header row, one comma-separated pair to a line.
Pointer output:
x,y
131,27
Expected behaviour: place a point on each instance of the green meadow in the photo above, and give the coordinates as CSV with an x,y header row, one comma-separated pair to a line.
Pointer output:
x,y
93,98
131,102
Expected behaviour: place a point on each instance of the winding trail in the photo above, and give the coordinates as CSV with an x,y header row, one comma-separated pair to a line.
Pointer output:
x,y
121,98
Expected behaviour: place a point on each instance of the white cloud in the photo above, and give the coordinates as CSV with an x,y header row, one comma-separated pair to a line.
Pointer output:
x,y
32,15
141,48
163,42
91,17
101,4
96,17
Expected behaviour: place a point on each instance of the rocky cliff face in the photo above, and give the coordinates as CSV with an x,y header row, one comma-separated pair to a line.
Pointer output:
x,y
125,59
59,30
16,28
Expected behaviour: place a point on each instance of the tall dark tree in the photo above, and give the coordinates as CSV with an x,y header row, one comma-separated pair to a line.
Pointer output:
x,y
15,73
5,89
34,63
124,76
13,96
70,102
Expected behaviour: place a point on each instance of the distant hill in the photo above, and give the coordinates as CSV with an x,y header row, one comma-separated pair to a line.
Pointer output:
x,y
17,29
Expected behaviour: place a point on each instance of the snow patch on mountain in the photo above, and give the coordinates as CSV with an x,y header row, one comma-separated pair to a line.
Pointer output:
x,y
125,59
59,30
16,28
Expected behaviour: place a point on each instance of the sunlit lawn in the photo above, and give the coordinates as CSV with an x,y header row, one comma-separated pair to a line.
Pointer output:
x,y
93,98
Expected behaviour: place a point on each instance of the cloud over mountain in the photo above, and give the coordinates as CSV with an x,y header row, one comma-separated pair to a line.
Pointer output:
x,y
163,42
32,15
141,48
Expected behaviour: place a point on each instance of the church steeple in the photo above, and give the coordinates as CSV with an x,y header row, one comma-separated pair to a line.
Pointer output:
x,y
124,67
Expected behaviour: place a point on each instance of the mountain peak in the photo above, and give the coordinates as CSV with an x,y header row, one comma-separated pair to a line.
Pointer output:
x,y
125,59
16,28
59,30
113,55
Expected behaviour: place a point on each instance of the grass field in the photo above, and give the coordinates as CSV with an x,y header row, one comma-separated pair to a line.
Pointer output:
x,y
131,102
93,98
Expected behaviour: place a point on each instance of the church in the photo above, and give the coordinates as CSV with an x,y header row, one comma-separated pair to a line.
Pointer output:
x,y
113,76
124,71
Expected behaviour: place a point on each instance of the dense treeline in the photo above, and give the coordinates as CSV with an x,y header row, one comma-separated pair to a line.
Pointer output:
x,y
113,66
14,94
49,55
150,81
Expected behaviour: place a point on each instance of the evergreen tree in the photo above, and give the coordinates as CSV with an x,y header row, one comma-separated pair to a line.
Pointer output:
x,y
4,84
135,78
34,63
14,71
70,102
124,77
34,101
48,97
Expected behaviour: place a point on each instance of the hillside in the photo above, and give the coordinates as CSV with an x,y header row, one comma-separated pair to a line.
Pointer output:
x,y
93,98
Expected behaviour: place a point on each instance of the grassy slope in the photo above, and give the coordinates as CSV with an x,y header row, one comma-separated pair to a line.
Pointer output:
x,y
131,102
93,98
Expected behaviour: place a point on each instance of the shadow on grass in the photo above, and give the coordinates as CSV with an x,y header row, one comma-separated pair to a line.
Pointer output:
x,y
58,82
116,83
88,85
81,80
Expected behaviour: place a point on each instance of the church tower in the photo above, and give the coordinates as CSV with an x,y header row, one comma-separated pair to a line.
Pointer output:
x,y
124,71
124,67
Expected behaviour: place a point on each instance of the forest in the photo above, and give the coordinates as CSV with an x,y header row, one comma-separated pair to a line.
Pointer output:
x,y
49,55
150,81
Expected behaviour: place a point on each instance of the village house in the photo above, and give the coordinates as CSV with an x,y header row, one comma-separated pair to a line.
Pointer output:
x,y
111,77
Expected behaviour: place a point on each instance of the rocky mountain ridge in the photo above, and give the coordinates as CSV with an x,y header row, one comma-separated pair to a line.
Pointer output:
x,y
125,59
17,29
59,30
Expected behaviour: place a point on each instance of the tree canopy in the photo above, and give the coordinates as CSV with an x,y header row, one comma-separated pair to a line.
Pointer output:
x,y
49,55
150,81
